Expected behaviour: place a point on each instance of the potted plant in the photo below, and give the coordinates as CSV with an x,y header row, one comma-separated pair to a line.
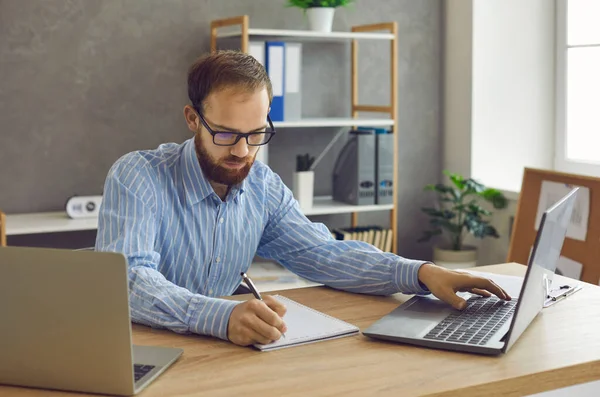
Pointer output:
x,y
319,12
304,179
458,213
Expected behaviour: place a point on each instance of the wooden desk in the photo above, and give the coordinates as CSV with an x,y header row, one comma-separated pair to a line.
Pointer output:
x,y
561,347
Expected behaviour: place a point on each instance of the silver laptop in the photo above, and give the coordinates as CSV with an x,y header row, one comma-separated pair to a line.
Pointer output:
x,y
64,323
486,325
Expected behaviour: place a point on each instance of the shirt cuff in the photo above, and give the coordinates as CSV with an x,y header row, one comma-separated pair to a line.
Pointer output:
x,y
210,316
407,277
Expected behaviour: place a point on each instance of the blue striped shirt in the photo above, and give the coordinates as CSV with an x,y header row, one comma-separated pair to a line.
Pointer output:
x,y
186,247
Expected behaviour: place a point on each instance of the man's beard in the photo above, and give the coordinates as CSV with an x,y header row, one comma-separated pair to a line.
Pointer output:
x,y
215,172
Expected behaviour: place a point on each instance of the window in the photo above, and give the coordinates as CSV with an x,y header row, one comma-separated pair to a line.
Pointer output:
x,y
578,87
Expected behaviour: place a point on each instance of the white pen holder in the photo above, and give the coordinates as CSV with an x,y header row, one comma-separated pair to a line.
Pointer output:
x,y
303,188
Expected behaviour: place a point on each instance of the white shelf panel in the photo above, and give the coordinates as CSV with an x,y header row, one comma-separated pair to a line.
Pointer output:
x,y
333,122
56,222
308,35
325,205
46,222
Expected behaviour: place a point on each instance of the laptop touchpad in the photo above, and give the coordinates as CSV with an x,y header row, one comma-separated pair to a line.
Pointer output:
x,y
414,319
428,305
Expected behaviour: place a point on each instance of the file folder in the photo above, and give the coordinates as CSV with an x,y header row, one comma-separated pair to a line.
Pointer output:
x,y
292,103
257,50
275,65
385,166
354,171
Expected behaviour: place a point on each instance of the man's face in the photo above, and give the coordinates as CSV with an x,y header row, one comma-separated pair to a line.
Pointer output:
x,y
234,111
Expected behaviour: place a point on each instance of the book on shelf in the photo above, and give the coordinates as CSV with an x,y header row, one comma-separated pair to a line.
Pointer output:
x,y
375,235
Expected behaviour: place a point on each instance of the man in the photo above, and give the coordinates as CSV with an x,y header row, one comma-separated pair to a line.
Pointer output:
x,y
191,217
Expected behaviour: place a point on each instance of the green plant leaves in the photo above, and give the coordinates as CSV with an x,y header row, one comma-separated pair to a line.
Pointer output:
x,y
495,197
445,214
477,210
480,228
457,213
442,190
473,186
458,180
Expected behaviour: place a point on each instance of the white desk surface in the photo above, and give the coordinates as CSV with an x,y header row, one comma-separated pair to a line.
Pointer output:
x,y
46,222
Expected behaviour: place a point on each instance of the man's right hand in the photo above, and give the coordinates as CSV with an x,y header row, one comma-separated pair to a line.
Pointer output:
x,y
256,321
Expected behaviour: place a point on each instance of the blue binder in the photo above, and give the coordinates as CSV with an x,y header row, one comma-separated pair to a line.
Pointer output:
x,y
275,65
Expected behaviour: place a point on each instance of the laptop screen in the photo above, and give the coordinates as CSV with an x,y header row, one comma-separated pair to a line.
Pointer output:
x,y
542,264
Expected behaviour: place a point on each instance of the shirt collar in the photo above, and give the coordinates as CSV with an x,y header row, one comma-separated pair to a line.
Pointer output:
x,y
197,186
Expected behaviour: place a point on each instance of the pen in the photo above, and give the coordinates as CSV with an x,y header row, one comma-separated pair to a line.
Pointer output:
x,y
253,289
564,295
250,285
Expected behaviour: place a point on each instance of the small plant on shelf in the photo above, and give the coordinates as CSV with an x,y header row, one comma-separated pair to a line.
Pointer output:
x,y
304,162
459,212
319,12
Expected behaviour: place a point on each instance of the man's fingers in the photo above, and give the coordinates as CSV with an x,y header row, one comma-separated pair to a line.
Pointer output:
x,y
496,290
265,320
275,305
489,285
451,298
268,315
481,292
257,337
267,331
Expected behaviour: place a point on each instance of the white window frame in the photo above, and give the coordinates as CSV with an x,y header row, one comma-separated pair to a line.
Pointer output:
x,y
561,163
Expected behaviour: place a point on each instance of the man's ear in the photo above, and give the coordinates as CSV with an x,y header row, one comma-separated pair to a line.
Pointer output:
x,y
191,118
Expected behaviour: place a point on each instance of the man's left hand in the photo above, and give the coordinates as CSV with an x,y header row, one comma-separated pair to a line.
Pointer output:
x,y
444,284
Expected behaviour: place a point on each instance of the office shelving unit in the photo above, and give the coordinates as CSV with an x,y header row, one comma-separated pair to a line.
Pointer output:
x,y
239,28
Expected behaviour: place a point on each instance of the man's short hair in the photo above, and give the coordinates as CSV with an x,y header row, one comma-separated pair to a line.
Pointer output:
x,y
225,69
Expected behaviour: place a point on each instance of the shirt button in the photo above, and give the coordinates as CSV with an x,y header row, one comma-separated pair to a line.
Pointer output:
x,y
221,220
218,259
210,291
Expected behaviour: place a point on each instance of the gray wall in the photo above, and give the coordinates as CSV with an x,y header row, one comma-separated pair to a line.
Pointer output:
x,y
86,81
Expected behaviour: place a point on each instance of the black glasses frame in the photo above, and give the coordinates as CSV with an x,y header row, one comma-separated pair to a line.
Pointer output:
x,y
239,135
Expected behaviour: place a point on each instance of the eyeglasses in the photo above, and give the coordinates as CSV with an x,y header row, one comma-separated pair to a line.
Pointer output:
x,y
230,138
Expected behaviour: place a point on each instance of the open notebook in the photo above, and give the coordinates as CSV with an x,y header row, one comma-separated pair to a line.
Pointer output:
x,y
306,325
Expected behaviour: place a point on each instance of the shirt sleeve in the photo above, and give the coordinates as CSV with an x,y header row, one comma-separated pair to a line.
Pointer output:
x,y
127,224
309,250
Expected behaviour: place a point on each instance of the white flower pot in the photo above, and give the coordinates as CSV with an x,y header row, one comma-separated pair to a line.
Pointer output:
x,y
320,19
451,259
303,188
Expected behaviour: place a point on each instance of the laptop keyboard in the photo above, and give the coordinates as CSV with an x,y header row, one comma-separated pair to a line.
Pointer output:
x,y
476,324
140,370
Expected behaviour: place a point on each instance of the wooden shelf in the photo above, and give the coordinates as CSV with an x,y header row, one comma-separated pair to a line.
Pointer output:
x,y
333,122
238,27
307,35
325,205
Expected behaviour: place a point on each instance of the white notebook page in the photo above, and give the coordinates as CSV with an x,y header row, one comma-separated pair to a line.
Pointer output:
x,y
306,325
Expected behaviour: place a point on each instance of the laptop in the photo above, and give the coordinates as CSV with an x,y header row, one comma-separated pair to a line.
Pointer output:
x,y
65,324
487,325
